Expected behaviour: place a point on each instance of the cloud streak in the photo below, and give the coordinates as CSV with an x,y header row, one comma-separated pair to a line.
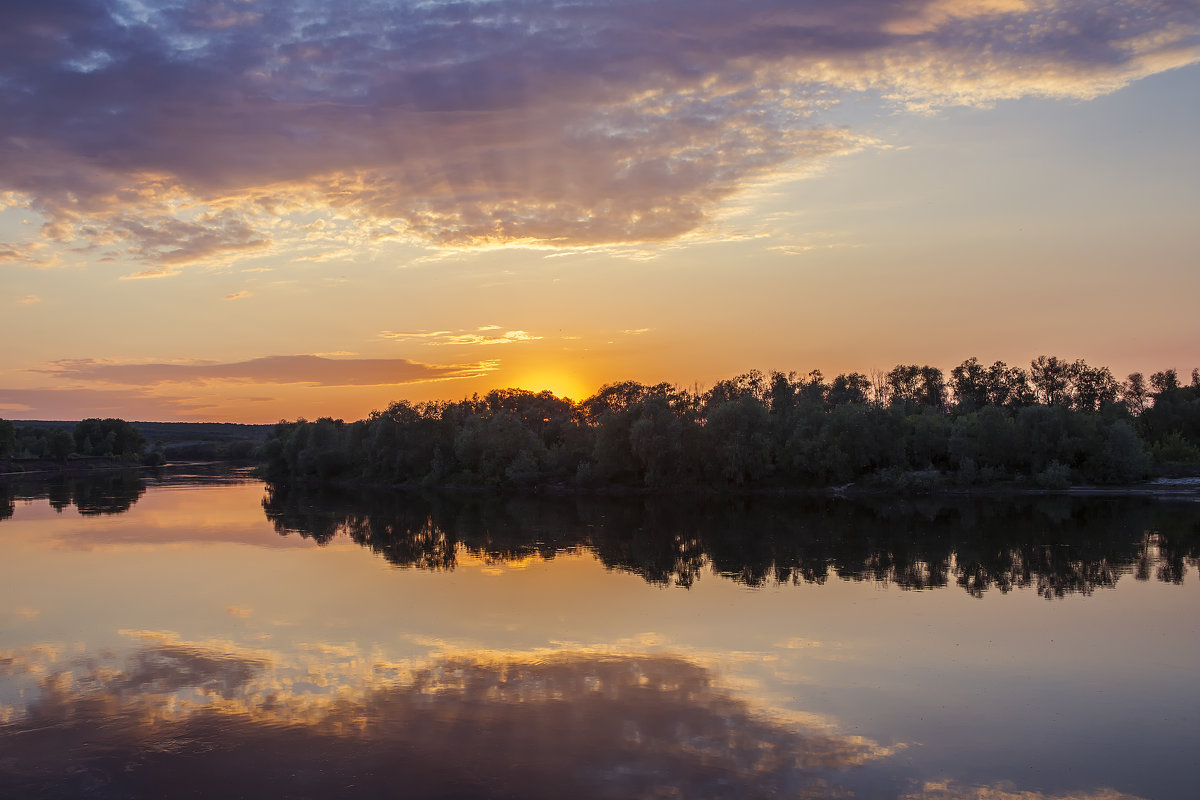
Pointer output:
x,y
298,369
180,134
481,336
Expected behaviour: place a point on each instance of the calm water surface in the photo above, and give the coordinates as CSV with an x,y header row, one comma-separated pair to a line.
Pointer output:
x,y
208,635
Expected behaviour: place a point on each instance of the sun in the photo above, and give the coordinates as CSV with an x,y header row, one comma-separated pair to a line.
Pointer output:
x,y
559,382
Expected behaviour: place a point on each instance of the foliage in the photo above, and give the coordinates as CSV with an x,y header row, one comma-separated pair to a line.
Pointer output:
x,y
107,438
8,438
114,438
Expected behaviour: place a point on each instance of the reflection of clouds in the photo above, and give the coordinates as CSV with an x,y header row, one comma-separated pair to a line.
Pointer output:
x,y
586,724
950,790
149,133
799,643
150,535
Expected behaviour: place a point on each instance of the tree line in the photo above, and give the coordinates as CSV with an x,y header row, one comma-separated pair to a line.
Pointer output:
x,y
912,427
108,438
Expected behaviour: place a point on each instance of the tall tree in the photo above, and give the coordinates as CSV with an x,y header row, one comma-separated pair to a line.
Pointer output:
x,y
852,388
61,445
1135,393
1094,387
1051,379
969,383
8,438
1164,381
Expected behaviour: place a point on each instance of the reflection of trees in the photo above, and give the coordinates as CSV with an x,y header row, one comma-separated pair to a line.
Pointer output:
x,y
567,725
102,493
1055,546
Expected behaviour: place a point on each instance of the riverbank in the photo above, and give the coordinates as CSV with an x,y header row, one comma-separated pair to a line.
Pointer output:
x,y
72,468
1177,487
1187,487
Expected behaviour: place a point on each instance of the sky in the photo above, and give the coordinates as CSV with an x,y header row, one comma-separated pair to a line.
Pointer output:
x,y
254,210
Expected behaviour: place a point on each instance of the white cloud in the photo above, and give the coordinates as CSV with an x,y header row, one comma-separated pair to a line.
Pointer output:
x,y
481,336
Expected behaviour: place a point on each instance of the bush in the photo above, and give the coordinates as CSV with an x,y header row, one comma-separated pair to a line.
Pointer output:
x,y
1055,476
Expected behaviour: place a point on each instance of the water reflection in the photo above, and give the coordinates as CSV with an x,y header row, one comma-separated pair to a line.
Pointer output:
x,y
186,647
1055,546
176,719
112,492
106,492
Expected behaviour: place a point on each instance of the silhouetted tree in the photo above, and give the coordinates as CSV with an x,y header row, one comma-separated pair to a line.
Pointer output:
x,y
62,444
1094,387
1165,381
968,382
852,388
108,437
8,438
1134,393
1051,379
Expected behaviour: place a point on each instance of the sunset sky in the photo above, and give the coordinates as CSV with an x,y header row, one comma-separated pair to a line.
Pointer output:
x,y
252,210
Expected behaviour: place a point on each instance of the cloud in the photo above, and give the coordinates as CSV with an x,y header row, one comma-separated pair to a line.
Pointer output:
x,y
32,254
182,133
238,295
77,403
156,272
303,369
479,337
29,300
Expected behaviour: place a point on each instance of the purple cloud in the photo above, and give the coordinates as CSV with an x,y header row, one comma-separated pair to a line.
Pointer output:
x,y
174,133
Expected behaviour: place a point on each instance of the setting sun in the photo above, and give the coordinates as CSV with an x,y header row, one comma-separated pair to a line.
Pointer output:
x,y
604,398
560,383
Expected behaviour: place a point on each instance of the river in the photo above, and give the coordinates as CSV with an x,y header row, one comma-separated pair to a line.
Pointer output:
x,y
200,633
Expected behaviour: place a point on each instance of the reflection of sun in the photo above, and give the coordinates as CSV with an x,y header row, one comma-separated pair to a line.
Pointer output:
x,y
561,383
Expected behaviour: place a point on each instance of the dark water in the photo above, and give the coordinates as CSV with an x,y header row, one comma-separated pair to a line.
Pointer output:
x,y
206,635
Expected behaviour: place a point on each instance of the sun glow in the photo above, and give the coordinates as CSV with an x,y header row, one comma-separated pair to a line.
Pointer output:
x,y
560,383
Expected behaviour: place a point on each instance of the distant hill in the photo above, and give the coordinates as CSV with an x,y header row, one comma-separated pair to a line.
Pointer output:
x,y
185,440
173,432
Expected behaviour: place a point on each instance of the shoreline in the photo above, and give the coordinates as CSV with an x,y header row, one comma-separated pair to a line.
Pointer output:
x,y
1178,488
